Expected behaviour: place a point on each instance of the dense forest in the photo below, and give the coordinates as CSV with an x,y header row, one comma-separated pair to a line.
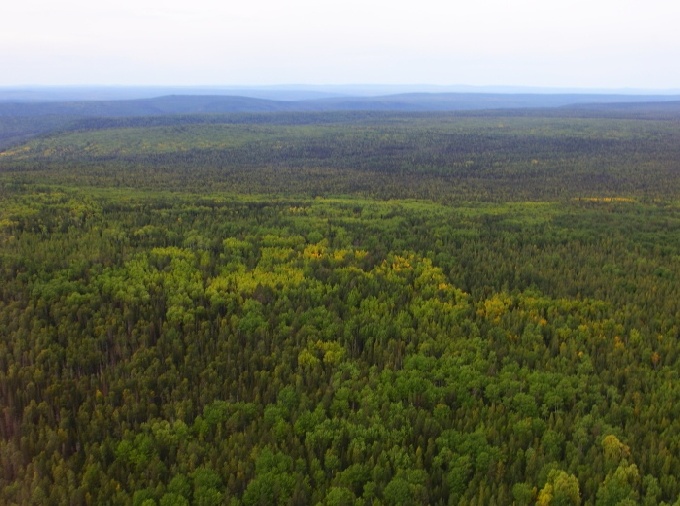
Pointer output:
x,y
341,308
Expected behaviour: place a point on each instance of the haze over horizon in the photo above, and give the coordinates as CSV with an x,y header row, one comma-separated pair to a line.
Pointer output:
x,y
562,45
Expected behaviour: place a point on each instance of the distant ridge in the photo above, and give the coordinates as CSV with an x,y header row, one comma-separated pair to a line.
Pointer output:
x,y
290,92
407,102
22,120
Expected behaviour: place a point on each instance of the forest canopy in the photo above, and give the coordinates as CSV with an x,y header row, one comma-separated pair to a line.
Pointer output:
x,y
342,308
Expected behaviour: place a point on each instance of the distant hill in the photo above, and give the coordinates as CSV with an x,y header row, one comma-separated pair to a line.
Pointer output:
x,y
215,104
177,104
22,120
290,92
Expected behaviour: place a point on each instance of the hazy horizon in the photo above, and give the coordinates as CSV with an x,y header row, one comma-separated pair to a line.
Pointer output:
x,y
604,45
358,86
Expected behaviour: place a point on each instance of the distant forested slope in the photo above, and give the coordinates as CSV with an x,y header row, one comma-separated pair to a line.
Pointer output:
x,y
21,119
442,156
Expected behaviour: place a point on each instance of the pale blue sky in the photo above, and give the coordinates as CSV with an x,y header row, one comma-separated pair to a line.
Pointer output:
x,y
558,43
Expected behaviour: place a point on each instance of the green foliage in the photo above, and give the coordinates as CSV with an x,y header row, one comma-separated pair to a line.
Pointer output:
x,y
274,481
198,347
340,496
448,157
522,493
619,486
561,489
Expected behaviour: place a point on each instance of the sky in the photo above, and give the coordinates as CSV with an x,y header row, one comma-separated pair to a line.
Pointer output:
x,y
613,44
